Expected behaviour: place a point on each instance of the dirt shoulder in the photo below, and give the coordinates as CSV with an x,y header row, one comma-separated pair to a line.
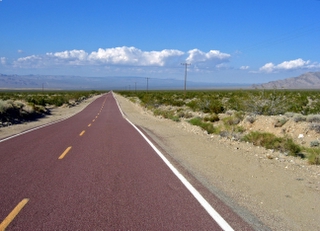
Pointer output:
x,y
282,192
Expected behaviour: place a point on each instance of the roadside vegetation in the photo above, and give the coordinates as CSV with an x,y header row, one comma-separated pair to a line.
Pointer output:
x,y
20,106
221,112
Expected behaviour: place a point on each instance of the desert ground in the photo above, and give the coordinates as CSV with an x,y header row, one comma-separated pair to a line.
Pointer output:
x,y
268,189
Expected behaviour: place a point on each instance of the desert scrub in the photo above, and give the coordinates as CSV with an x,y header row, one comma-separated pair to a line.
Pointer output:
x,y
315,127
167,114
16,107
231,120
183,114
313,118
280,122
251,118
299,118
211,118
204,125
314,156
270,141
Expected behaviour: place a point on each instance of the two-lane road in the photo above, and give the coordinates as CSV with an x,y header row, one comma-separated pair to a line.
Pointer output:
x,y
93,171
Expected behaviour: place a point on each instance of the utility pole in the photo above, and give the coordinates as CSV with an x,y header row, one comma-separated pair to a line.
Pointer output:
x,y
185,74
147,83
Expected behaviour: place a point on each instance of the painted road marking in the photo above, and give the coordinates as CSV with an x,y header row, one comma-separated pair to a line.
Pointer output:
x,y
81,134
64,153
13,214
204,203
93,120
89,125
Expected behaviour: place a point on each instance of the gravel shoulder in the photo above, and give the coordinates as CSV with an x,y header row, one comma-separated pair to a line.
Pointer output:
x,y
281,192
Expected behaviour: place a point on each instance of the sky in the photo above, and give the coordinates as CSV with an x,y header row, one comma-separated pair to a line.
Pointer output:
x,y
225,41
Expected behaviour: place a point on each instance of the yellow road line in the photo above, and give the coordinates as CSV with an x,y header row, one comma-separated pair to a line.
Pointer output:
x,y
89,125
13,214
64,153
93,120
96,117
82,133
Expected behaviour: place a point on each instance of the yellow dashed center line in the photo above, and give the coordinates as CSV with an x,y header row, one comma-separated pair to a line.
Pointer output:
x,y
64,153
13,214
93,120
89,125
81,134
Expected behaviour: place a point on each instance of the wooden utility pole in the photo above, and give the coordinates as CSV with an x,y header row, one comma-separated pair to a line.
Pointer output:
x,y
185,75
147,83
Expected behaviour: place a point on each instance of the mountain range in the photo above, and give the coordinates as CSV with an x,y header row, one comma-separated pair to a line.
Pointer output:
x,y
51,82
309,80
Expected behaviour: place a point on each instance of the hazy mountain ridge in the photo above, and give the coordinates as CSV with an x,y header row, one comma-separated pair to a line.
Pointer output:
x,y
309,80
52,82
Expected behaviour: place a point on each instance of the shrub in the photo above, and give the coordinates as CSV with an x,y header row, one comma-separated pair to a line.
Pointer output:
x,y
206,126
314,143
212,118
313,155
280,122
231,120
315,127
251,119
270,141
298,118
313,118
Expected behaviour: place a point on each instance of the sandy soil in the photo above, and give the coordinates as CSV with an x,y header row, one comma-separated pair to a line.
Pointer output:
x,y
281,193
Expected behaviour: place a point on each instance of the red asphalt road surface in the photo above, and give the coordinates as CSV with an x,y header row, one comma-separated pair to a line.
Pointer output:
x,y
110,179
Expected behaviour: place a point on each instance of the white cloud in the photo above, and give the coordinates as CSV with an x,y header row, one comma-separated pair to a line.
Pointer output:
x,y
244,67
71,55
3,60
128,56
289,65
133,56
213,57
20,51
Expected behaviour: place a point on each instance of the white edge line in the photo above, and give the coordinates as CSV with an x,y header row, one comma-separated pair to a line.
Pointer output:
x,y
205,204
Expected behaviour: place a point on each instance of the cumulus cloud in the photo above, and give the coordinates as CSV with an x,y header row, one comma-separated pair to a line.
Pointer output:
x,y
3,60
214,57
288,66
133,56
124,56
70,55
244,67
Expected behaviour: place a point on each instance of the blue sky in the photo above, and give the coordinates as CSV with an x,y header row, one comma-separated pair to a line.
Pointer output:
x,y
230,41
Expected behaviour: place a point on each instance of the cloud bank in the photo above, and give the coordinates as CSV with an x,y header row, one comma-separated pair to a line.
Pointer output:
x,y
289,66
124,56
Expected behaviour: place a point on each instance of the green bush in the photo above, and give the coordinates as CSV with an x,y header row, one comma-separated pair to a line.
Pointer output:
x,y
314,156
270,141
206,126
212,118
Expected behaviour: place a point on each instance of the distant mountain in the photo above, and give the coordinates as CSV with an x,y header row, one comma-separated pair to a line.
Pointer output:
x,y
309,80
51,82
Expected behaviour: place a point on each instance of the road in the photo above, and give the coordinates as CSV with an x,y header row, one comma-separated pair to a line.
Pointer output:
x,y
94,171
